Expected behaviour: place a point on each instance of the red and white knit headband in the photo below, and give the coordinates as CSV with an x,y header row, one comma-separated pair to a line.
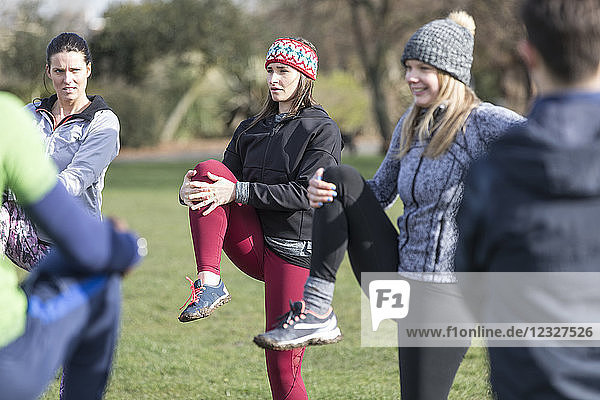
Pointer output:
x,y
295,54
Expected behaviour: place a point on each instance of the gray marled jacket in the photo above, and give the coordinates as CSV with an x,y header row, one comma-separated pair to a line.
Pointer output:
x,y
431,191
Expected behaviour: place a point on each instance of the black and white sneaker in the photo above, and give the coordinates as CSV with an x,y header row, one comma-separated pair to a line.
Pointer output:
x,y
299,328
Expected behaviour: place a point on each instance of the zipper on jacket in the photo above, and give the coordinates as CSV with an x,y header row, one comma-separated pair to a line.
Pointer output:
x,y
438,244
53,120
443,221
274,130
412,193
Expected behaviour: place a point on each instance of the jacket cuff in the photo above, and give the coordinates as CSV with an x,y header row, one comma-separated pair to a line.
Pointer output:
x,y
242,192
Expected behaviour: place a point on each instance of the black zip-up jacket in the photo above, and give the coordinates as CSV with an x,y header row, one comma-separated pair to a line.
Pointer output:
x,y
278,159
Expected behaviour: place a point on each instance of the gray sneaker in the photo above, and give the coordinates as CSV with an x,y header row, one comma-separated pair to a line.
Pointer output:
x,y
299,328
204,300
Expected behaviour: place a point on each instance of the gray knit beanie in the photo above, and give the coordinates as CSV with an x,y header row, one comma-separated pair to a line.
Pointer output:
x,y
444,44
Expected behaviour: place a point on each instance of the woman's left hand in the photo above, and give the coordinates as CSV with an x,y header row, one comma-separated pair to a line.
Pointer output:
x,y
221,191
319,191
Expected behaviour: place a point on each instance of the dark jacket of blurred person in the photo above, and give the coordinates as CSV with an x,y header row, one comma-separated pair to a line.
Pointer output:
x,y
533,204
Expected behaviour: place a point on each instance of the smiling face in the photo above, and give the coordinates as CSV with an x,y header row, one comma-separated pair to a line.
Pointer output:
x,y
69,73
423,81
283,83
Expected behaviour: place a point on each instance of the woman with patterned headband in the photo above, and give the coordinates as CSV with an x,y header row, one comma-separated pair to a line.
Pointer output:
x,y
254,203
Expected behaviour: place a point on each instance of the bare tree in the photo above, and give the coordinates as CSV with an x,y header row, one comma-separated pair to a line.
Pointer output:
x,y
372,46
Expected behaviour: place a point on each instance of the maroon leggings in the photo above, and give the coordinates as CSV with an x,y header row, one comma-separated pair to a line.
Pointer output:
x,y
236,229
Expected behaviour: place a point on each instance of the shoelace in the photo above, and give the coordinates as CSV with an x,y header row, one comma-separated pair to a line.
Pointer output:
x,y
294,315
194,295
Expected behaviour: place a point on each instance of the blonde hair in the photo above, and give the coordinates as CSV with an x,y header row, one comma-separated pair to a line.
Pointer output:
x,y
455,101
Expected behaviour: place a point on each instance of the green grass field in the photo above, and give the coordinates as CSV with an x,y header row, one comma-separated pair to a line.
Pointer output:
x,y
160,358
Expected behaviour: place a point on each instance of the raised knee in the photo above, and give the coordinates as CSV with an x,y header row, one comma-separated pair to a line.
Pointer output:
x,y
341,175
213,166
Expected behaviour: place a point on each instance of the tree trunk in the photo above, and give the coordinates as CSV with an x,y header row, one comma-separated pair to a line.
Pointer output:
x,y
379,102
179,112
373,63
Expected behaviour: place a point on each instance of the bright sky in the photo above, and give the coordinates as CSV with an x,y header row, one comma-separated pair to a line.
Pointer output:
x,y
93,8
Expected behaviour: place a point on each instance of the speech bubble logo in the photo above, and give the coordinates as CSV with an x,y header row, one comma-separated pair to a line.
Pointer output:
x,y
389,300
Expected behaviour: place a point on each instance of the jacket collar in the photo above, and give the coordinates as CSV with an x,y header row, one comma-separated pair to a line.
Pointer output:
x,y
316,111
98,104
570,97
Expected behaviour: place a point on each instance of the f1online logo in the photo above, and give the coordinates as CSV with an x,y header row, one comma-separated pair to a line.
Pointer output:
x,y
389,300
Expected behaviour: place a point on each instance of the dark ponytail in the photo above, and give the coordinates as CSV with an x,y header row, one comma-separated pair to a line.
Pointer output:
x,y
68,42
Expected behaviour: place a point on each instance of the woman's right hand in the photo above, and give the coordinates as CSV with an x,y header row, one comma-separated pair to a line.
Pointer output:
x,y
190,190
319,191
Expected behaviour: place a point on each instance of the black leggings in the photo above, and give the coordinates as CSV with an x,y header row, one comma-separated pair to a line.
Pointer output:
x,y
427,373
355,221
